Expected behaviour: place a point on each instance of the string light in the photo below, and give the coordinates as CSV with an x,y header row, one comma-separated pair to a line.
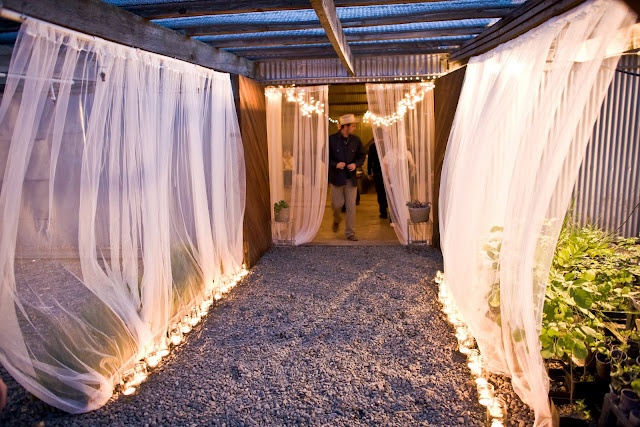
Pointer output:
x,y
306,108
133,377
496,406
407,103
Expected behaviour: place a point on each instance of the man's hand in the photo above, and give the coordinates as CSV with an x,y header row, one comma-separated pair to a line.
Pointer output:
x,y
3,394
341,165
351,166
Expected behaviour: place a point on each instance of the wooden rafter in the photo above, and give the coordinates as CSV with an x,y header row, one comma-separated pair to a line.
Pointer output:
x,y
328,52
528,16
97,18
253,27
360,37
634,5
326,11
178,8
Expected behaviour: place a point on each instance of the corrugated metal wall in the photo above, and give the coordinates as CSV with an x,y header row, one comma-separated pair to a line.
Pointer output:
x,y
608,187
368,69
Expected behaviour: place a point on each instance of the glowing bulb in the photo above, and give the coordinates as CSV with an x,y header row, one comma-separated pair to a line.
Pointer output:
x,y
175,336
485,394
163,347
140,372
153,359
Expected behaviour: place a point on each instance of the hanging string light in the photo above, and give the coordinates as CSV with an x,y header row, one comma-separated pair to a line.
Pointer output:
x,y
129,381
407,103
306,108
496,407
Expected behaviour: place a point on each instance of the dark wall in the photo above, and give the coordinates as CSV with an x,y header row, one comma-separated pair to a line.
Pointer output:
x,y
253,127
446,95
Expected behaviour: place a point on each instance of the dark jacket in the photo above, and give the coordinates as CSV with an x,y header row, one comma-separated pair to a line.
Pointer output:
x,y
344,150
373,162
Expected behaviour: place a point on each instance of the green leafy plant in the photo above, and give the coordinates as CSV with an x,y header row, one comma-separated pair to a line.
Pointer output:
x,y
577,409
592,273
278,206
492,250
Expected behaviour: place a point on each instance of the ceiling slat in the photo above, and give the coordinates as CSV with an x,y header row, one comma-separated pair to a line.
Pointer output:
x,y
328,52
266,40
177,9
253,27
113,23
528,16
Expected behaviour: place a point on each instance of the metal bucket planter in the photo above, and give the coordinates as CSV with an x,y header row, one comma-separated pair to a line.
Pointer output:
x,y
418,215
282,215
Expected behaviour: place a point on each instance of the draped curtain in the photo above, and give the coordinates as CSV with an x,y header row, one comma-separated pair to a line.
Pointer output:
x,y
524,117
297,138
122,202
405,147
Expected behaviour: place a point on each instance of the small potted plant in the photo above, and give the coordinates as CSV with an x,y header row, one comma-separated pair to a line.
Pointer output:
x,y
419,211
281,211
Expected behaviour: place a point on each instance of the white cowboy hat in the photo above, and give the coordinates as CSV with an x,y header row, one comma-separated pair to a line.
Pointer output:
x,y
347,119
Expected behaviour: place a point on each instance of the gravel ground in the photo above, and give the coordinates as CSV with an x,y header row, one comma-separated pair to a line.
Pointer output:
x,y
315,335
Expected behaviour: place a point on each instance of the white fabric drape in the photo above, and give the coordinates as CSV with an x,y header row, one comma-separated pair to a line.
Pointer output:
x,y
405,148
298,155
524,118
122,202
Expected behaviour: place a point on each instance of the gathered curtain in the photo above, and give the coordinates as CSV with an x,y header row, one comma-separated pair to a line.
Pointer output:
x,y
122,204
405,146
523,121
297,134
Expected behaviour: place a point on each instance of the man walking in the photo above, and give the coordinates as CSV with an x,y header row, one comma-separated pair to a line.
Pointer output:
x,y
375,170
345,156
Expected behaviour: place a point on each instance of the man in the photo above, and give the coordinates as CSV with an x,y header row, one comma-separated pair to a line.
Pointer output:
x,y
345,156
374,169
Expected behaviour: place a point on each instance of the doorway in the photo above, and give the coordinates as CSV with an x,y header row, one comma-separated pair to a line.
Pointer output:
x,y
370,229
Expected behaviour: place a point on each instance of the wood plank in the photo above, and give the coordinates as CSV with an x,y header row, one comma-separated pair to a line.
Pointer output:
x,y
531,14
302,52
326,11
253,128
634,5
267,40
176,9
446,95
109,22
253,27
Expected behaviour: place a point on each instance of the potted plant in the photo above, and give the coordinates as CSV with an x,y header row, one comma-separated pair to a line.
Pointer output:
x,y
419,211
575,414
281,211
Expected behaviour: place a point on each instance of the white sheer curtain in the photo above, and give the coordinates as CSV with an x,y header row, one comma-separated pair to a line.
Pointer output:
x,y
297,133
122,203
526,108
405,147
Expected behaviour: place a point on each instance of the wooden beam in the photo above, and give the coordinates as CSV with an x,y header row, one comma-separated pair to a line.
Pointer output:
x,y
266,40
327,52
94,17
176,9
528,16
634,5
326,11
254,27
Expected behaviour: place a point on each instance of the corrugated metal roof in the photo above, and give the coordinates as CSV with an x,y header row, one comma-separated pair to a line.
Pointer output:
x,y
296,30
292,30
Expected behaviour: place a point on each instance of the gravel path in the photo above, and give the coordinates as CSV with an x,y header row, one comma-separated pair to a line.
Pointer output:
x,y
315,335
